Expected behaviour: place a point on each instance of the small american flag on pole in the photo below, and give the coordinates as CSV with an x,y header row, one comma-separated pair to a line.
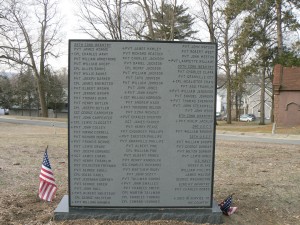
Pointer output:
x,y
47,187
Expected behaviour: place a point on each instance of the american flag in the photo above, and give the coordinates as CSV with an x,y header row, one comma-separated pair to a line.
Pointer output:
x,y
225,205
47,182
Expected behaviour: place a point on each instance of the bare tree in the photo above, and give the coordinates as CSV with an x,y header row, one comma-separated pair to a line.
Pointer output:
x,y
139,19
101,18
123,19
29,36
207,15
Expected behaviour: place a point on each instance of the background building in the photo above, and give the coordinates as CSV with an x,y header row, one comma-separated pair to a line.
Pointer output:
x,y
286,85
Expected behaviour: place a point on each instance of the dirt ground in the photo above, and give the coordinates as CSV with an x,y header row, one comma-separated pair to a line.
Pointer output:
x,y
264,177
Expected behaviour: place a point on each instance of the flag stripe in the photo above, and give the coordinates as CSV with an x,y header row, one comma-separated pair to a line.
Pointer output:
x,y
47,192
47,174
52,193
43,188
46,171
49,179
46,168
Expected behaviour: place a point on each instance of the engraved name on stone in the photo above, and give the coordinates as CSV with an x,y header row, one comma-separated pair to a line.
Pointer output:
x,y
92,88
141,162
193,83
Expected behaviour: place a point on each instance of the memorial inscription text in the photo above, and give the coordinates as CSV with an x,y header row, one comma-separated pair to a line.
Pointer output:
x,y
141,124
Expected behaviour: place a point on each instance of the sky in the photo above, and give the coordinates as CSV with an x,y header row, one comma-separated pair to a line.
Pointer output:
x,y
67,8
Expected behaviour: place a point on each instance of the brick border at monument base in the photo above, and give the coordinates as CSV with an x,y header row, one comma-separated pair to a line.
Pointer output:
x,y
196,215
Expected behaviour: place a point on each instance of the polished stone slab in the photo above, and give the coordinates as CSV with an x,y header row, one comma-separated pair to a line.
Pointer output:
x,y
197,215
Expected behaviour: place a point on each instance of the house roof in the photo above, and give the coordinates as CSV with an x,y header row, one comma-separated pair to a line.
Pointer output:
x,y
286,78
258,90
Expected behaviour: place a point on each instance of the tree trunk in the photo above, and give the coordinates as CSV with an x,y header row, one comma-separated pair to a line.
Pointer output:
x,y
228,104
279,44
228,78
211,21
119,18
41,77
22,107
55,108
272,109
237,105
262,97
149,20
279,27
237,108
173,22
42,98
38,108
29,104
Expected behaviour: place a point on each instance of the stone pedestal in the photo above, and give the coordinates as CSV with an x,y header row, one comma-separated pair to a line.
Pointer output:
x,y
198,215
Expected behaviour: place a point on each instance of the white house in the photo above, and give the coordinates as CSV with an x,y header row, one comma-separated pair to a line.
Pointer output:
x,y
252,103
221,101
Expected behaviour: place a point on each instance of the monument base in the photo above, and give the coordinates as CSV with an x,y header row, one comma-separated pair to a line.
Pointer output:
x,y
199,215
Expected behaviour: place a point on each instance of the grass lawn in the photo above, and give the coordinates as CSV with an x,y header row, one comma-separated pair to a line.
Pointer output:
x,y
254,127
265,178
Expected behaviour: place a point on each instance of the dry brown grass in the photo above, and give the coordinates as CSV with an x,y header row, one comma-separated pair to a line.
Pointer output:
x,y
264,177
254,127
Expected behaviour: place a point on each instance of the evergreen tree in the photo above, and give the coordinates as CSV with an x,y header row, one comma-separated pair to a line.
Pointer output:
x,y
55,93
6,93
261,31
288,57
25,91
172,22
